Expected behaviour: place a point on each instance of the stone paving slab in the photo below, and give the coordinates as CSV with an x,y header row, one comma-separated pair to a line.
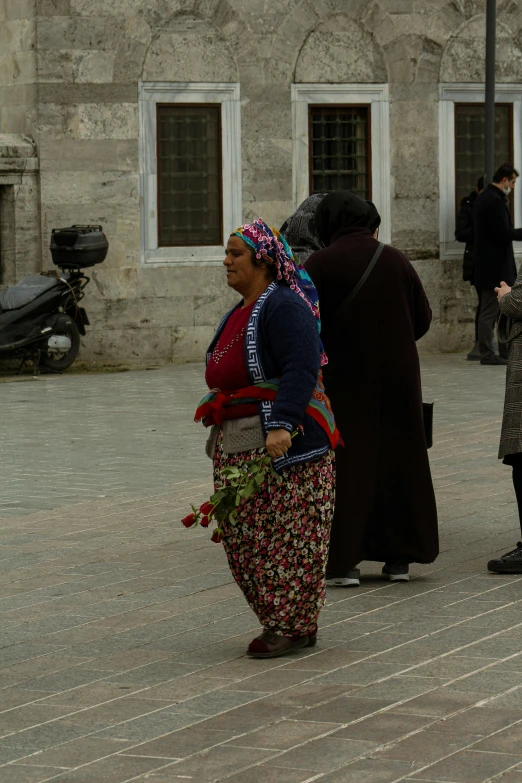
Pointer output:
x,y
122,635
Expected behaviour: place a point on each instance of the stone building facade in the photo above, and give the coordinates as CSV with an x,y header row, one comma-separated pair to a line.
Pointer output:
x,y
80,85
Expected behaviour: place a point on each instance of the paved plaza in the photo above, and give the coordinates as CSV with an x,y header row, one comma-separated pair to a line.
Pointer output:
x,y
122,635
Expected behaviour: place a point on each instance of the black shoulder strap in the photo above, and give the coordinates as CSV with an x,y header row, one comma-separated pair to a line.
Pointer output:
x,y
364,278
351,296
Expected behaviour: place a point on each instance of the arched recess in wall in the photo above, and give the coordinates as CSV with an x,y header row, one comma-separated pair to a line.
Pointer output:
x,y
340,50
186,49
463,59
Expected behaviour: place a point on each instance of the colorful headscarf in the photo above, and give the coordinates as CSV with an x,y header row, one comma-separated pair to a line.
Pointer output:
x,y
272,248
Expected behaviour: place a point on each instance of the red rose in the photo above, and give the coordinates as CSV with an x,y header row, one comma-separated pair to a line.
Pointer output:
x,y
207,509
189,520
204,521
217,536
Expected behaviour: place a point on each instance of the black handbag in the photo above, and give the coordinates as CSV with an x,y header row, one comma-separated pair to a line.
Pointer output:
x,y
427,407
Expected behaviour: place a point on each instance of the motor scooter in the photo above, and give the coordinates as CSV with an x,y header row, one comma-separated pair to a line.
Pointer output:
x,y
40,317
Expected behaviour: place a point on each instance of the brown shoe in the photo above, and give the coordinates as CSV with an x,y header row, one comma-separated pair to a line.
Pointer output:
x,y
271,645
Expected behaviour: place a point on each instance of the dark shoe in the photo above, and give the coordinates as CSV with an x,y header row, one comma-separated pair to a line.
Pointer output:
x,y
474,354
350,579
510,563
271,645
397,572
493,360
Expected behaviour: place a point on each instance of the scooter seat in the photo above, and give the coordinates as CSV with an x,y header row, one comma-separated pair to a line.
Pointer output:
x,y
27,290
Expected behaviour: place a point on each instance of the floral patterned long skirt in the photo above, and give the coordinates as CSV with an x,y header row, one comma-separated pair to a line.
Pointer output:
x,y
278,546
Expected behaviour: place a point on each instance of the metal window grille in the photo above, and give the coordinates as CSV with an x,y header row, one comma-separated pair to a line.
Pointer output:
x,y
189,175
340,149
469,144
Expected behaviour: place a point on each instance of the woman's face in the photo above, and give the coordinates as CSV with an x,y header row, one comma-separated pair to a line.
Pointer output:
x,y
242,275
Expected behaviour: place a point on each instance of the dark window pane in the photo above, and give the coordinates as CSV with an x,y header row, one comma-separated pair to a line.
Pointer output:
x,y
340,149
469,144
189,175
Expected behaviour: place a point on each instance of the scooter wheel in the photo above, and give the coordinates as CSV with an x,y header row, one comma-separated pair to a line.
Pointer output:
x,y
48,361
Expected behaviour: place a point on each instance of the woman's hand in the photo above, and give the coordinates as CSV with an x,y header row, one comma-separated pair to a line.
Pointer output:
x,y
278,442
503,290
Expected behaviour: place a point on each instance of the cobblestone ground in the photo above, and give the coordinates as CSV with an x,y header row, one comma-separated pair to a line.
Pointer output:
x,y
123,636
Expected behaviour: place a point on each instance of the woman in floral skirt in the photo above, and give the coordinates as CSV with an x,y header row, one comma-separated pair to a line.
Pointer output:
x,y
264,372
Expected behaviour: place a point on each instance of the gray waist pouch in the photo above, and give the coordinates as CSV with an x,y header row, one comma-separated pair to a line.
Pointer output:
x,y
243,434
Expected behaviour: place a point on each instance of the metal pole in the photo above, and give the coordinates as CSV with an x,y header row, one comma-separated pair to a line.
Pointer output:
x,y
491,24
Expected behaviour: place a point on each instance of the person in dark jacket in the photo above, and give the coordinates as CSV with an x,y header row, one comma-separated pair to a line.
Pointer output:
x,y
494,258
464,233
385,505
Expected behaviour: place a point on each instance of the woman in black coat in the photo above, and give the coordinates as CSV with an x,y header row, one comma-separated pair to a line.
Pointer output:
x,y
385,506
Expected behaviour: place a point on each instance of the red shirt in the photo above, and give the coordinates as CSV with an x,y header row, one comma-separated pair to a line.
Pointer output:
x,y
226,369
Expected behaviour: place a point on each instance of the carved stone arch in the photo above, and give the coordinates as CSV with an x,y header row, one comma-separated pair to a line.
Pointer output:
x,y
212,33
306,17
340,49
188,49
463,58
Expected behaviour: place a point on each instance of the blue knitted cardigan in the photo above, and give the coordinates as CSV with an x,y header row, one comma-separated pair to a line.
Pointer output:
x,y
282,341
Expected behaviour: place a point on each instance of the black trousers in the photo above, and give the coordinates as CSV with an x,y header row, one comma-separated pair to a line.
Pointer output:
x,y
487,318
477,314
515,460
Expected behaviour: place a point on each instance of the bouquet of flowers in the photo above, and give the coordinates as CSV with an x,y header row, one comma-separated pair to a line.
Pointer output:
x,y
238,484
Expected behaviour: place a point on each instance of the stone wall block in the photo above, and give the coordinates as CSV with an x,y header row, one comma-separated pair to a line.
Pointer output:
x,y
138,29
296,28
252,73
113,346
88,93
53,7
65,32
150,313
387,29
113,283
93,67
18,69
399,6
108,188
129,60
80,155
273,153
112,121
273,212
269,184
56,121
189,57
19,9
209,310
172,281
189,343
99,8
55,66
428,66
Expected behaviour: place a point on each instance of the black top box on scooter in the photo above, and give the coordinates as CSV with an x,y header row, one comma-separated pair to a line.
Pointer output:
x,y
78,247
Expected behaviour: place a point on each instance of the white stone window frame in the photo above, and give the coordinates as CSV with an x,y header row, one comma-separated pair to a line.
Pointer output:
x,y
449,95
374,95
149,95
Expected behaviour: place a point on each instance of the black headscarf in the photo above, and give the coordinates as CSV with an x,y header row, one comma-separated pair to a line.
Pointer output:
x,y
299,230
374,219
339,210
